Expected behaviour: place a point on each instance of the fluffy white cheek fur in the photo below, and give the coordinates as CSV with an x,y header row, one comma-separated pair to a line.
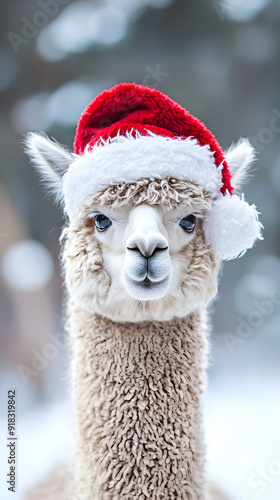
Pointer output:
x,y
87,283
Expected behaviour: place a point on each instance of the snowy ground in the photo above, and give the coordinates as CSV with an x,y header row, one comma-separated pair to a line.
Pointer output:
x,y
242,419
242,425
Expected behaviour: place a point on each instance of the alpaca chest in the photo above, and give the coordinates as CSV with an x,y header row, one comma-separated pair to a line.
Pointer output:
x,y
139,431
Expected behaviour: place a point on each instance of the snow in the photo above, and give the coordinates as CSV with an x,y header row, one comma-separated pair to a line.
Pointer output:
x,y
242,417
45,438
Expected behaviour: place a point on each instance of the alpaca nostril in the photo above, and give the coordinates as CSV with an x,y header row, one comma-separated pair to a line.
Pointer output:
x,y
147,253
157,250
147,243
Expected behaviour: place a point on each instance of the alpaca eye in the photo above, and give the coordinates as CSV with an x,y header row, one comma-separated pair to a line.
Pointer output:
x,y
102,222
188,223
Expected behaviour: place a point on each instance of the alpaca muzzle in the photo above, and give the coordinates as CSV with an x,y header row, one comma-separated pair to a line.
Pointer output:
x,y
147,267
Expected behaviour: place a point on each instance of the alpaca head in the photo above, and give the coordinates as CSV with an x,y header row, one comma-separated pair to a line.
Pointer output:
x,y
139,250
149,196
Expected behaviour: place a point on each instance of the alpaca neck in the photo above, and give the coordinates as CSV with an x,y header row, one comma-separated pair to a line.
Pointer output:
x,y
137,389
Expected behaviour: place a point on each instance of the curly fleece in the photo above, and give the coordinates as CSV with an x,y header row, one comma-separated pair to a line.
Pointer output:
x,y
137,391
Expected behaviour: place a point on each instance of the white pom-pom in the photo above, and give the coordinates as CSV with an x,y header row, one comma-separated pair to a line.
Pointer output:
x,y
231,226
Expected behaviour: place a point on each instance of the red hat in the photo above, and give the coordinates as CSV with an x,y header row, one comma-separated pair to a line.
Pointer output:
x,y
135,108
131,132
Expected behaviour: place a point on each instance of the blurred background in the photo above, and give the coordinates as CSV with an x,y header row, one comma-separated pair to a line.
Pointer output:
x,y
220,60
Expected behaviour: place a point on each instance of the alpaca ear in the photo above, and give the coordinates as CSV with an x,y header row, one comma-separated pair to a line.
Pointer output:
x,y
50,159
240,157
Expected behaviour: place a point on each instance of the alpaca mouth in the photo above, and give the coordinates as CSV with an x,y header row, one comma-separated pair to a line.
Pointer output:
x,y
147,282
147,289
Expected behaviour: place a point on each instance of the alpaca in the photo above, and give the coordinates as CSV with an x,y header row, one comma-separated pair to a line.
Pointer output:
x,y
152,214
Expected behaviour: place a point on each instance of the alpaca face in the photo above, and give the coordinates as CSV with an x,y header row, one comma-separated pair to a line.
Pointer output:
x,y
140,247
140,259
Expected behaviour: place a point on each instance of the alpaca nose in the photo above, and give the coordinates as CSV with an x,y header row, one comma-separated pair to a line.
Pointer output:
x,y
147,244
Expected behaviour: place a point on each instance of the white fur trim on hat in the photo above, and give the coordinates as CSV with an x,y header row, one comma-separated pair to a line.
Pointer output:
x,y
128,158
231,226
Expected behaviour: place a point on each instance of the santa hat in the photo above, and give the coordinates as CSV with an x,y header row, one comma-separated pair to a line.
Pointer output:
x,y
131,132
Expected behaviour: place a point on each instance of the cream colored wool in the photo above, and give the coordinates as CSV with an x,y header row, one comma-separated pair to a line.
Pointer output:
x,y
137,390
